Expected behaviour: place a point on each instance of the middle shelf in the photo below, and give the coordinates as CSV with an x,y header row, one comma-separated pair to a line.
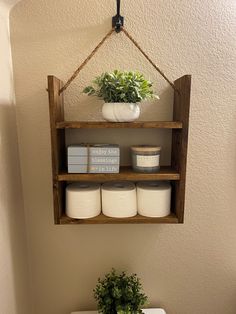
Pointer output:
x,y
126,173
119,125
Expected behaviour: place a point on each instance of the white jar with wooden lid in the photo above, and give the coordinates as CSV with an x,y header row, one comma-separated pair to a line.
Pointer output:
x,y
146,158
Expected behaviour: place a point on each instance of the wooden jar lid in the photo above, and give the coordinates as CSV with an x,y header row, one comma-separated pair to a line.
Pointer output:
x,y
145,149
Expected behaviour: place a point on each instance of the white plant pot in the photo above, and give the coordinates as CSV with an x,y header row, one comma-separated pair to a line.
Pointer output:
x,y
120,112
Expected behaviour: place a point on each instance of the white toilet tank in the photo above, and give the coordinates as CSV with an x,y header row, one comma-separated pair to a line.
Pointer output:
x,y
147,311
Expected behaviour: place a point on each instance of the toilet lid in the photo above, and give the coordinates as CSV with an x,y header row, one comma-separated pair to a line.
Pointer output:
x,y
147,311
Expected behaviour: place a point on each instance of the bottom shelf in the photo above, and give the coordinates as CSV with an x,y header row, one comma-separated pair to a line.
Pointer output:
x,y
102,219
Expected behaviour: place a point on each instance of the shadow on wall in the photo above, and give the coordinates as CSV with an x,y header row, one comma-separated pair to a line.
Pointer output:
x,y
9,4
13,257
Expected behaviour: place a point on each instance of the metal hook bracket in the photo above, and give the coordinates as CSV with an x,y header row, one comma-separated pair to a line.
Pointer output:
x,y
118,20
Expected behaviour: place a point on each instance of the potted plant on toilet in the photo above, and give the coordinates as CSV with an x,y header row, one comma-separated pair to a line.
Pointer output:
x,y
119,294
122,92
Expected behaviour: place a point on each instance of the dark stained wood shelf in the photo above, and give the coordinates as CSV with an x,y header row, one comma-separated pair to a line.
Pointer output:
x,y
102,219
119,125
176,173
126,173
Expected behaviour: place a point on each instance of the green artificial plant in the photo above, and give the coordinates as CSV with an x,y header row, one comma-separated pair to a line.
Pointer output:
x,y
121,87
119,294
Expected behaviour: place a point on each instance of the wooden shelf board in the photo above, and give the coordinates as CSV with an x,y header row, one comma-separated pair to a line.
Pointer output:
x,y
102,219
118,125
126,173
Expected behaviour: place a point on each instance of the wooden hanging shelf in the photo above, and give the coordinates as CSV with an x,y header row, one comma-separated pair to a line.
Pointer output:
x,y
176,172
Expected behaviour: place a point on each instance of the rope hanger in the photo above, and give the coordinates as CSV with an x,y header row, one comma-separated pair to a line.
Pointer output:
x,y
117,26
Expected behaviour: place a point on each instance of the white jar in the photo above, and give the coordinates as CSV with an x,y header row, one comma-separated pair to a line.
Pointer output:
x,y
121,112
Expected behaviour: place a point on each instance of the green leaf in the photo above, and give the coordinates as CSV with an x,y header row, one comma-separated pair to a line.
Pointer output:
x,y
119,86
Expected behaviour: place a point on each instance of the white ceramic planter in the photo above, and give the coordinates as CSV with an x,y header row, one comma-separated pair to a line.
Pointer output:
x,y
120,112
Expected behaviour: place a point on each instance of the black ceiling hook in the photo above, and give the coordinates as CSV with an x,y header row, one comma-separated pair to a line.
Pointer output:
x,y
118,20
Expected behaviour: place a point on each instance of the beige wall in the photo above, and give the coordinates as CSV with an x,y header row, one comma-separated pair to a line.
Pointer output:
x,y
187,269
14,280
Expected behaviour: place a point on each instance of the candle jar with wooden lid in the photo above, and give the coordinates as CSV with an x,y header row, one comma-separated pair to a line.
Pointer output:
x,y
146,158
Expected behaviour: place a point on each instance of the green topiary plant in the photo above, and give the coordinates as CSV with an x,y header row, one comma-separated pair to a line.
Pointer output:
x,y
119,294
121,87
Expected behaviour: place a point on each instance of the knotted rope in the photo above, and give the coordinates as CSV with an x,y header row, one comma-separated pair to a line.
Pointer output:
x,y
75,74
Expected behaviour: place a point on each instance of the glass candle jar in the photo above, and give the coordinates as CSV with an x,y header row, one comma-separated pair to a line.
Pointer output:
x,y
146,158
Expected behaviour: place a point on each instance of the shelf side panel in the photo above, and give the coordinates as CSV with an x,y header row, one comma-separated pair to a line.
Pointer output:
x,y
180,142
56,111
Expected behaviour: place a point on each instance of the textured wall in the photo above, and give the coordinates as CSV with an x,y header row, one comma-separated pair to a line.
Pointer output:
x,y
14,284
187,269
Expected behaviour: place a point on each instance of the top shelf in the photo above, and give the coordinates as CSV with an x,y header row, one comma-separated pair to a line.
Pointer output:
x,y
119,125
